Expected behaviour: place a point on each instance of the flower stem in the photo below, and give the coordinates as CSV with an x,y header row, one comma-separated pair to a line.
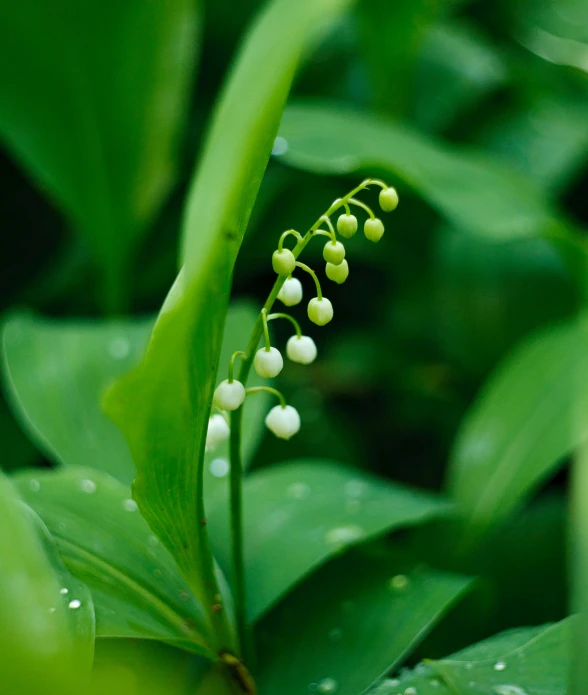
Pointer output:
x,y
310,271
236,485
292,320
268,389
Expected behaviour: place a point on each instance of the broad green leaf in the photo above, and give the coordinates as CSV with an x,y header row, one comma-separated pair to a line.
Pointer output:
x,y
298,515
349,624
529,661
527,418
471,190
56,373
37,633
163,406
92,106
103,540
127,667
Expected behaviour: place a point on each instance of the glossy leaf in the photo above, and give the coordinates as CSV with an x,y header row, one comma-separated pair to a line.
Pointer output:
x,y
92,106
56,373
298,515
472,191
517,662
163,406
36,625
343,635
137,588
524,422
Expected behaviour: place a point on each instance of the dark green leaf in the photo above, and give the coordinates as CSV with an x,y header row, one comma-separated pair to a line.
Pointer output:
x,y
474,192
38,634
351,622
298,515
530,661
521,426
163,406
55,375
92,105
103,540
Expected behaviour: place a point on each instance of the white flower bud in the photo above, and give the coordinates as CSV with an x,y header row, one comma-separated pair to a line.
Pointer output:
x,y
290,293
334,252
268,363
337,273
301,349
373,229
284,422
320,311
347,225
388,199
218,431
229,395
283,262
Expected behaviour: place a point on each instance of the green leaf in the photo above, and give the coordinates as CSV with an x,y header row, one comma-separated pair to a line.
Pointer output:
x,y
528,661
137,588
339,636
125,667
472,191
36,623
522,424
163,406
300,514
92,107
56,373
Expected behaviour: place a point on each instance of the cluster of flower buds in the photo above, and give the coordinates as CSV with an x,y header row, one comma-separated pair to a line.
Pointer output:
x,y
283,420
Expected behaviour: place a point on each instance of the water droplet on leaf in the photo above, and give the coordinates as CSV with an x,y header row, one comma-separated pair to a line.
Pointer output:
x,y
119,348
344,535
130,505
327,685
499,666
64,591
75,604
400,582
88,486
34,485
219,468
298,491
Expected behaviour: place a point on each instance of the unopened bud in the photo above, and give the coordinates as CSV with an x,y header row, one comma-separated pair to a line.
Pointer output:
x,y
229,395
268,363
283,262
337,273
283,421
301,349
334,252
388,199
373,229
290,293
347,225
320,311
218,431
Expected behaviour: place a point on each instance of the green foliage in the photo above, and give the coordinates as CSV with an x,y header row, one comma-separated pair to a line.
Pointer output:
x,y
98,128
528,418
517,662
167,441
385,605
38,623
298,515
103,540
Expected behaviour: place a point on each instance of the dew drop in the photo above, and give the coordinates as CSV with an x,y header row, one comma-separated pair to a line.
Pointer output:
x,y
219,468
64,591
355,488
52,609
298,491
327,685
469,666
509,690
399,582
88,486
499,666
119,348
34,485
130,505
434,682
74,604
343,535
336,634
393,682
410,691
280,146
153,541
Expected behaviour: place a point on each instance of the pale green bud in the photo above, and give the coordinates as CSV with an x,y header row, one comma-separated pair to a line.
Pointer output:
x,y
283,262
268,363
320,311
334,252
301,349
218,431
347,225
229,395
373,229
283,421
388,199
337,273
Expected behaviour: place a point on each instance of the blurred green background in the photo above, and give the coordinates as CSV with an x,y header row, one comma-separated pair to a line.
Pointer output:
x,y
99,142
